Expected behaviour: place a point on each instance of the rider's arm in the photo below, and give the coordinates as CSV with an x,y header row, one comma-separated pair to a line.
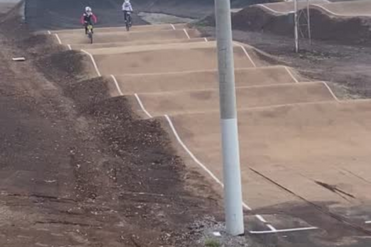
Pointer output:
x,y
131,7
95,18
82,19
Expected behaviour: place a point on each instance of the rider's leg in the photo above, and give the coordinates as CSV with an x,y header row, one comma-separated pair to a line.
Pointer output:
x,y
125,15
92,27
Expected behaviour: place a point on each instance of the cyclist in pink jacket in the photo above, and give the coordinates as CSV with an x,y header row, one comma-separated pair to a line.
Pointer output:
x,y
87,18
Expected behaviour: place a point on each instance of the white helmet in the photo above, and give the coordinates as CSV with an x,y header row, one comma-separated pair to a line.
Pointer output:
x,y
88,9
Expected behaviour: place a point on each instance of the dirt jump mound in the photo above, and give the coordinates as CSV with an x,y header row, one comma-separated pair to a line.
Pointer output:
x,y
342,22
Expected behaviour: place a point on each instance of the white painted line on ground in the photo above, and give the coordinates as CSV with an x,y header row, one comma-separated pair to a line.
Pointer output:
x,y
247,54
190,153
285,230
355,100
185,31
260,218
271,227
194,157
238,87
245,205
331,92
275,11
117,85
181,143
142,106
206,40
338,15
193,71
287,105
59,40
258,108
49,32
173,26
323,8
174,72
93,60
69,47
290,73
368,222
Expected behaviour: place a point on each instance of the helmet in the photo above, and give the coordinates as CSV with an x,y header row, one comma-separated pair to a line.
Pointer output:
x,y
127,1
87,9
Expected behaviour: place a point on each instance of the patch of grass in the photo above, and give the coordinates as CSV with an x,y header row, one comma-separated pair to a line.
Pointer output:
x,y
212,243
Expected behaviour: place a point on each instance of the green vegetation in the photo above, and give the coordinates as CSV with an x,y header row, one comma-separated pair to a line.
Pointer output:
x,y
212,243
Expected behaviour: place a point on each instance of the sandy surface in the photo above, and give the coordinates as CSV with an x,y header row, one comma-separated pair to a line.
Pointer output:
x,y
201,80
272,141
248,97
121,36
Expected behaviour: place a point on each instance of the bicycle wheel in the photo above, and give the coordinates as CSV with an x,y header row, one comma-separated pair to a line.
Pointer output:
x,y
91,37
127,25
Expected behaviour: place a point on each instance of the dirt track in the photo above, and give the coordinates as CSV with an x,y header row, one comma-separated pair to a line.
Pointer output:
x,y
277,122
289,129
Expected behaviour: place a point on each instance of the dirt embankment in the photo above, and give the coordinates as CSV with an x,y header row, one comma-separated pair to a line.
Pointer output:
x,y
257,19
324,27
342,65
340,30
120,181
343,30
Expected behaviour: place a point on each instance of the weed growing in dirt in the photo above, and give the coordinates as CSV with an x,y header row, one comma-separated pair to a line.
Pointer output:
x,y
212,243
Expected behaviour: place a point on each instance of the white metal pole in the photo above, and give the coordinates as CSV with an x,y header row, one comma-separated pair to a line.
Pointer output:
x,y
309,24
296,26
229,127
